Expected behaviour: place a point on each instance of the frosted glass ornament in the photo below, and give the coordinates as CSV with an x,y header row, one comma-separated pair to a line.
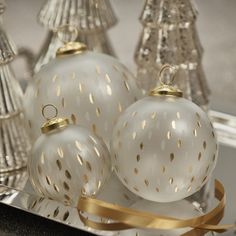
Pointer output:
x,y
91,88
181,210
68,160
164,147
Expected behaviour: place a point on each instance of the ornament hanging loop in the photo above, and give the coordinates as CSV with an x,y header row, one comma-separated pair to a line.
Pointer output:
x,y
53,123
166,88
172,71
67,33
44,110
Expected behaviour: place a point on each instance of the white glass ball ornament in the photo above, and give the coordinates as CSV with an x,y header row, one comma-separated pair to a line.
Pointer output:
x,y
91,88
68,160
163,146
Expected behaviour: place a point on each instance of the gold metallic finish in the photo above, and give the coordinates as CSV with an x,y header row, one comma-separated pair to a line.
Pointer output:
x,y
56,188
138,158
168,135
66,186
107,77
73,118
60,152
88,166
59,165
63,102
78,145
109,90
199,156
91,98
42,158
134,113
53,123
98,112
94,128
178,115
68,174
173,124
146,182
189,188
176,189
127,86
48,180
195,132
136,189
171,180
141,146
85,178
71,48
153,115
179,143
80,159
58,91
144,123
97,152
172,157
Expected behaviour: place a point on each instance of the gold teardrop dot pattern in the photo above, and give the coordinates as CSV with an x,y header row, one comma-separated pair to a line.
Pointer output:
x,y
159,147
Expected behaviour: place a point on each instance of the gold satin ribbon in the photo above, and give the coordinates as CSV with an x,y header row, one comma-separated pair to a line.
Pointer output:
x,y
127,218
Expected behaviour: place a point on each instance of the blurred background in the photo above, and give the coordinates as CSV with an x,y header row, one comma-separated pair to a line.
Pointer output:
x,y
216,27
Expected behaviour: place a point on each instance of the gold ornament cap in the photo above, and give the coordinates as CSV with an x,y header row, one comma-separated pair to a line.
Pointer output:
x,y
71,48
53,123
68,34
166,88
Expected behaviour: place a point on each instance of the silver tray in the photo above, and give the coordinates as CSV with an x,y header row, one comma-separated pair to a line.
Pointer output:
x,y
16,190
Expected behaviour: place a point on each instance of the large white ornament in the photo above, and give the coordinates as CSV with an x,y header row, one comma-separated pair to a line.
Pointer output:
x,y
68,160
90,88
164,147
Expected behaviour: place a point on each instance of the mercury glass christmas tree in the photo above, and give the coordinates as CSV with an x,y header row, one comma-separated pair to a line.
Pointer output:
x,y
169,36
14,141
91,17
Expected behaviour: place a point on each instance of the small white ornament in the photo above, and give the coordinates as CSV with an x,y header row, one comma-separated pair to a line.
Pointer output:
x,y
68,160
91,88
163,146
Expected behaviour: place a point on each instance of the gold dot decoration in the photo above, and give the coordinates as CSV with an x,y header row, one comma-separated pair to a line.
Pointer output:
x,y
40,170
173,124
179,143
73,118
66,214
66,186
68,174
178,115
98,111
56,188
141,146
176,189
109,90
78,145
168,135
80,159
199,156
85,178
204,145
127,86
60,152
144,124
138,158
172,157
56,212
136,189
171,180
136,171
108,79
154,115
88,166
157,189
189,188
134,134
48,180
195,132
146,182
